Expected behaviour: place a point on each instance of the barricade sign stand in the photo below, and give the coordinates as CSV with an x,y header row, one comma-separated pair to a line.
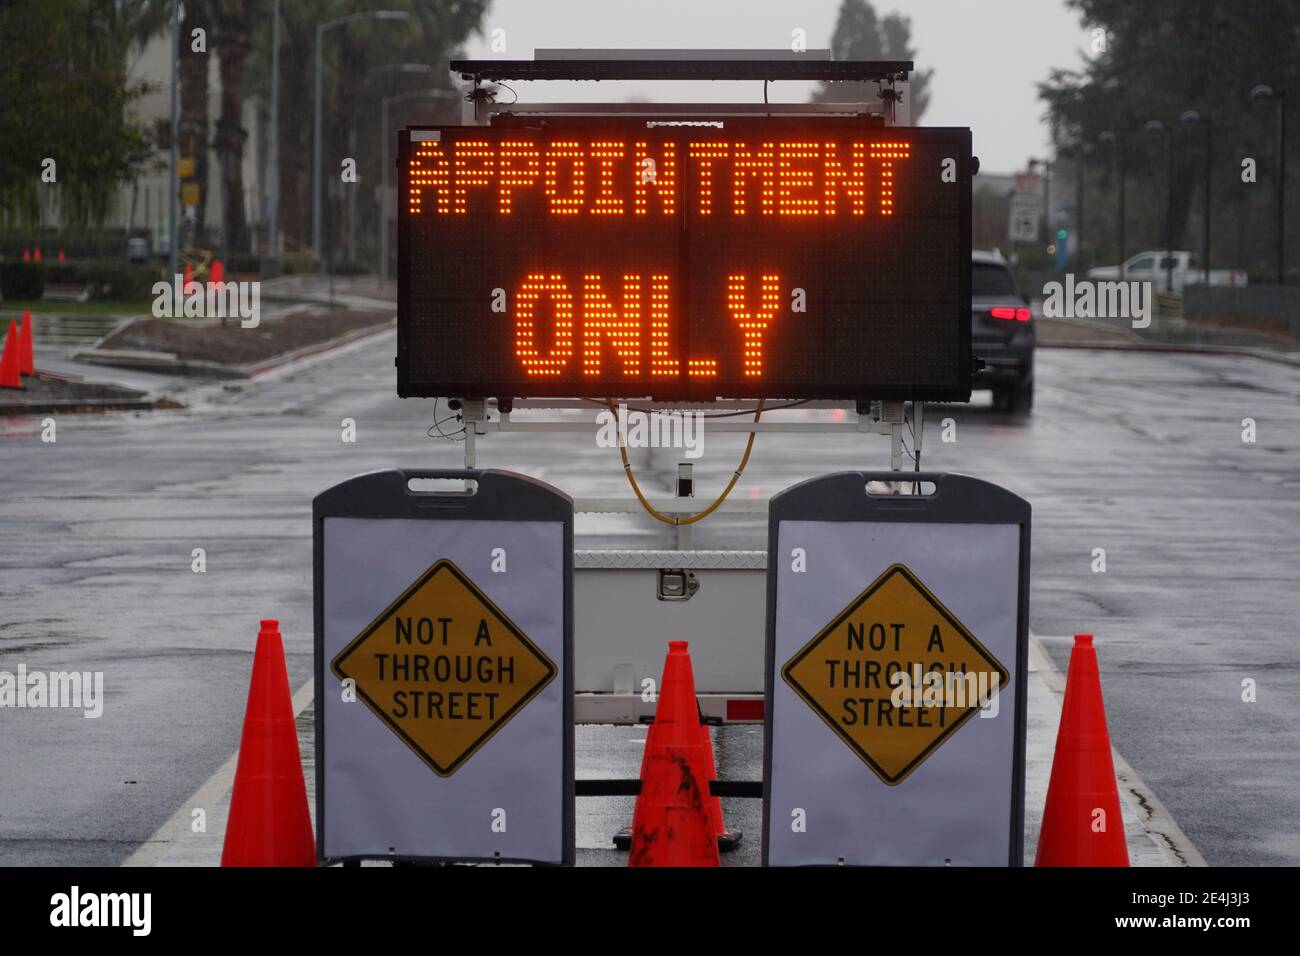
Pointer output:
x,y
897,641
444,670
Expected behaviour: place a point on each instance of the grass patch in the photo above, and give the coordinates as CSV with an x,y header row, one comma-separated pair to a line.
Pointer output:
x,y
237,346
93,307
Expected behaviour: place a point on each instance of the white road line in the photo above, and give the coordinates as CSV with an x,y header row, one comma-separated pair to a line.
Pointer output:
x,y
1154,815
207,796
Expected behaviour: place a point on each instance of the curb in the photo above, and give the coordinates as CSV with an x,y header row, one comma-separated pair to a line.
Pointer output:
x,y
1128,335
1237,351
126,399
345,300
1150,811
163,362
78,406
320,348
166,362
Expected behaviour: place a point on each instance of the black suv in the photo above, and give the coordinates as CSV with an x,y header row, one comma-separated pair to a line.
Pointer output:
x,y
1002,334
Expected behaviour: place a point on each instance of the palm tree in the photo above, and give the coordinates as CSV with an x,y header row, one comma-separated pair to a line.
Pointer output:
x,y
240,42
194,124
232,25
151,18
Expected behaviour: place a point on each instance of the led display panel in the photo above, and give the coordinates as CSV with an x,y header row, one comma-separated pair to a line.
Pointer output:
x,y
750,257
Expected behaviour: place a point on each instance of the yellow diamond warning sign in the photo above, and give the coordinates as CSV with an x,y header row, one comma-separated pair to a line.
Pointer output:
x,y
444,667
895,674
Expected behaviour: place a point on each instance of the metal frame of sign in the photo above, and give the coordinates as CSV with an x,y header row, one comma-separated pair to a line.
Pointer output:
x,y
681,65
496,495
957,499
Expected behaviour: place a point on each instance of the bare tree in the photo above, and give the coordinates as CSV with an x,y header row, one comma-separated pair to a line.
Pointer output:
x,y
861,35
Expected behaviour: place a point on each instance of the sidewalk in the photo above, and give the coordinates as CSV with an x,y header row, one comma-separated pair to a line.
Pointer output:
x,y
55,360
160,376
1168,335
353,292
1154,839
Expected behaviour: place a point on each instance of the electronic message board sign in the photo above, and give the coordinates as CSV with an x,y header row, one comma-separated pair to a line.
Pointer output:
x,y
743,257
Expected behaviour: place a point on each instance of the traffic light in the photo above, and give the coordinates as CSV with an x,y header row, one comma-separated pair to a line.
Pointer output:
x,y
1061,234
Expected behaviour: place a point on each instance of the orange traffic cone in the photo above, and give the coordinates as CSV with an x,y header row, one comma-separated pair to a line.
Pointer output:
x,y
1082,823
671,825
9,364
727,839
26,360
217,271
269,822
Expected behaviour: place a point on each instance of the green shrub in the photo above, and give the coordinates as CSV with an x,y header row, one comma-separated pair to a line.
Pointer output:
x,y
345,268
113,280
124,282
22,280
64,273
99,245
296,263
244,263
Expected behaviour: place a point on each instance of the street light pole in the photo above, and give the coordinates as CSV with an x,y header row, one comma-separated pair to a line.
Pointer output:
x,y
1047,199
1123,211
172,260
1192,118
1082,167
273,236
1209,177
1263,92
1047,194
381,273
1117,140
315,155
352,199
383,146
388,101
1156,126
316,181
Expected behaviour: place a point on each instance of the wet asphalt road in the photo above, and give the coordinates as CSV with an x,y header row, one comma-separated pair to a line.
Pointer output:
x,y
1139,454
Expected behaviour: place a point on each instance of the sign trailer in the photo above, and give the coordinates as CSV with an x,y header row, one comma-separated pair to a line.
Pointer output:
x,y
665,256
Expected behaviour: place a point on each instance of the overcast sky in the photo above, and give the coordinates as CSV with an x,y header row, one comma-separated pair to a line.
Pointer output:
x,y
987,55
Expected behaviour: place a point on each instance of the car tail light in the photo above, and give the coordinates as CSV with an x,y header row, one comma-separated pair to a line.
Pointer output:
x,y
1010,314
